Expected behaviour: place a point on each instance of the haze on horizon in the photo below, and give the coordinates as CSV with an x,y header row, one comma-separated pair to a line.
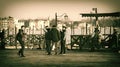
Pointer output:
x,y
47,8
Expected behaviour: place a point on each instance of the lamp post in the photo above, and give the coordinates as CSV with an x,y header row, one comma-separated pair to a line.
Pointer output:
x,y
56,17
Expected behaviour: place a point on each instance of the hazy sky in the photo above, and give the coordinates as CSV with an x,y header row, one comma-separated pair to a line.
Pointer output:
x,y
47,8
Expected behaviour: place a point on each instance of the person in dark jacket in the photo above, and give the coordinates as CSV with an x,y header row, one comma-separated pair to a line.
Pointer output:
x,y
2,36
48,40
20,37
63,40
55,38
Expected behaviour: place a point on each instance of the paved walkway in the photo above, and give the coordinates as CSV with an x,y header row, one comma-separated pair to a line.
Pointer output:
x,y
38,58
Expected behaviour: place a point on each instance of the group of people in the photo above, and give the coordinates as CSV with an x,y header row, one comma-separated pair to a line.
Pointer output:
x,y
57,38
53,37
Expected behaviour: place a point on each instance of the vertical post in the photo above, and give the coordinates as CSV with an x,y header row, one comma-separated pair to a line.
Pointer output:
x,y
15,37
29,37
96,16
104,31
71,28
86,28
8,29
95,9
90,29
41,29
71,33
55,19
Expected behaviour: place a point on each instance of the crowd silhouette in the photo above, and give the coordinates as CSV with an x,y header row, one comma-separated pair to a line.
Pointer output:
x,y
54,37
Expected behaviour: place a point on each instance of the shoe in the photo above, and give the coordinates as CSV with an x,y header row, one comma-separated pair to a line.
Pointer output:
x,y
22,56
49,54
63,54
60,53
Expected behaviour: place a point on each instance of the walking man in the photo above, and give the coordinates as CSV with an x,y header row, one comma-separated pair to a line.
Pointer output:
x,y
21,37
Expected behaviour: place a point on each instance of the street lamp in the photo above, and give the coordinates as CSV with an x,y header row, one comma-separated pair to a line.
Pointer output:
x,y
56,16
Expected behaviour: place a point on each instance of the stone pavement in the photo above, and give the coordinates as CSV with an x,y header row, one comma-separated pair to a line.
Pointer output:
x,y
38,58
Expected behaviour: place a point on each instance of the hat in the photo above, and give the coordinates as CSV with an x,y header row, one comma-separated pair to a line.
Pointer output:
x,y
47,27
96,30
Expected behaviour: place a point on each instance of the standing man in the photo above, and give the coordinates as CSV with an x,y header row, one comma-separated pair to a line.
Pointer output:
x,y
48,40
2,37
95,40
55,38
63,39
21,38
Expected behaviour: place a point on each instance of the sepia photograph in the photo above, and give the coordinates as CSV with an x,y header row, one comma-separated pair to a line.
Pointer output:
x,y
59,33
